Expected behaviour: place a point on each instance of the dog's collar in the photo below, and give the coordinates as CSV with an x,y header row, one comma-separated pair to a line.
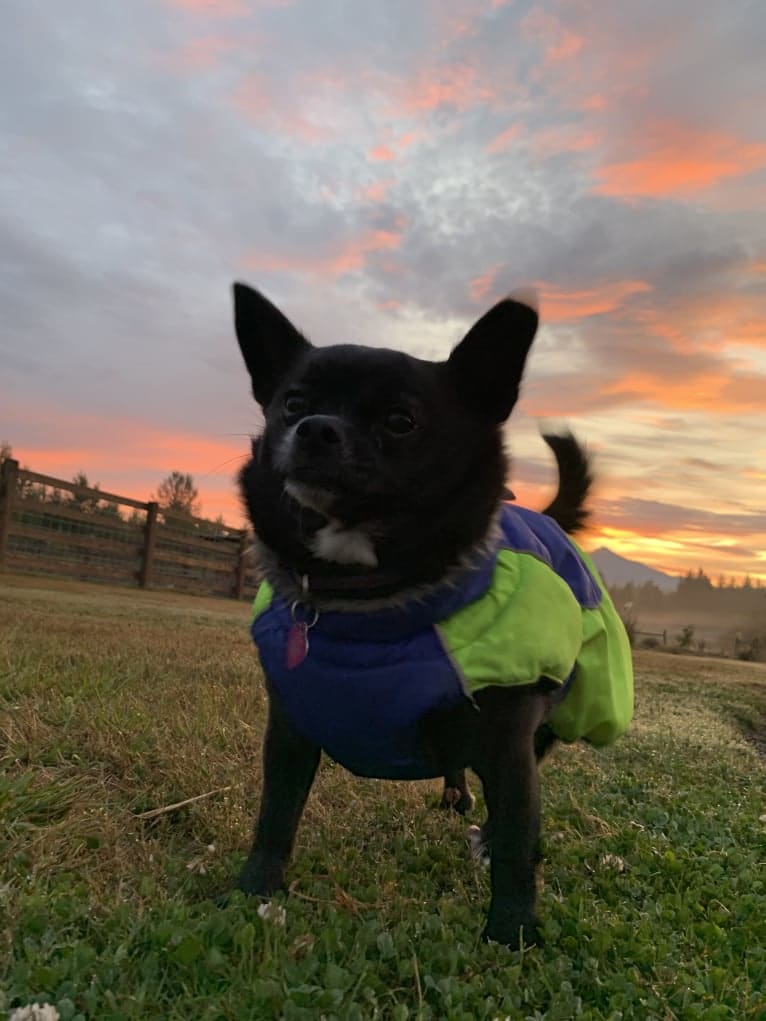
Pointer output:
x,y
371,591
373,583
382,619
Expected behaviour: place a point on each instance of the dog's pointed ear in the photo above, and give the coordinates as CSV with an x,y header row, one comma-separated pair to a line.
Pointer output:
x,y
487,365
269,342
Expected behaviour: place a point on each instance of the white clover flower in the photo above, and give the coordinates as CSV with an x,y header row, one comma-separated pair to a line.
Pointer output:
x,y
613,861
34,1012
273,913
197,865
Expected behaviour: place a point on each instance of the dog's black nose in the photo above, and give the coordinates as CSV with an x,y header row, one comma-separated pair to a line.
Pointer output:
x,y
319,431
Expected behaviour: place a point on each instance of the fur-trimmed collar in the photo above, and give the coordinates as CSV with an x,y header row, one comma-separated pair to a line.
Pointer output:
x,y
336,593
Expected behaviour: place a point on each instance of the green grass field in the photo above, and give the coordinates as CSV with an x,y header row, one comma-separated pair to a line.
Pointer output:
x,y
116,702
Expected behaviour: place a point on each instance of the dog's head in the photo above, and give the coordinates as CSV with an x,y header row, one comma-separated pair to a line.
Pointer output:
x,y
372,460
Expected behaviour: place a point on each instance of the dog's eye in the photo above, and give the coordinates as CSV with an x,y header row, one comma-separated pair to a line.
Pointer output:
x,y
295,405
399,422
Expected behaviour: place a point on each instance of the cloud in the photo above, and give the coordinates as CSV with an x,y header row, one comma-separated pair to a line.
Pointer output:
x,y
558,42
566,138
480,287
676,160
381,154
212,8
503,141
377,191
276,111
456,87
657,517
348,256
561,306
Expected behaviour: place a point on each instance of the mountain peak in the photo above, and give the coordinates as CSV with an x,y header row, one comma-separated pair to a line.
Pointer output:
x,y
617,570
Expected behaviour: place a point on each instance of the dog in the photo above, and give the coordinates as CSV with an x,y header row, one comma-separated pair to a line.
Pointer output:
x,y
412,623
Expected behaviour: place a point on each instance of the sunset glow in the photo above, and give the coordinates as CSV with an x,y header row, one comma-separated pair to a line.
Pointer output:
x,y
385,173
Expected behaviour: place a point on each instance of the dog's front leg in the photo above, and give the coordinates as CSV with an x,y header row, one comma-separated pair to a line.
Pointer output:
x,y
289,765
504,759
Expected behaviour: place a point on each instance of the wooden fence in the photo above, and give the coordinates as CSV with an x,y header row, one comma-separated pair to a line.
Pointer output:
x,y
653,634
50,526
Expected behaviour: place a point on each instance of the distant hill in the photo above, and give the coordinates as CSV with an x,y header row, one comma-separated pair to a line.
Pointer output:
x,y
617,570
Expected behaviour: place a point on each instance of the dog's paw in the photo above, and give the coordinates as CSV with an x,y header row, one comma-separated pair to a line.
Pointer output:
x,y
512,922
456,800
479,847
260,880
513,935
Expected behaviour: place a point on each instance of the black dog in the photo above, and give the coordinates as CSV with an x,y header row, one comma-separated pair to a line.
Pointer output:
x,y
375,496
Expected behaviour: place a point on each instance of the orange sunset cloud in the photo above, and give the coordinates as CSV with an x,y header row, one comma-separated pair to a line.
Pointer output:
x,y
714,322
381,154
560,43
678,160
385,153
503,141
715,393
344,257
481,286
129,457
377,191
459,87
558,306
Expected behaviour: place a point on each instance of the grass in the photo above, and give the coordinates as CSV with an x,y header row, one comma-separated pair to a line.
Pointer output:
x,y
115,702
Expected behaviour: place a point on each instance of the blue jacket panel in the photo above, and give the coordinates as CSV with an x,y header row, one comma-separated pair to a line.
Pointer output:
x,y
361,700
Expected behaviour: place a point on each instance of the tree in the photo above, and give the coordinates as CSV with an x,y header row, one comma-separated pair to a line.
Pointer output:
x,y
684,640
93,504
177,494
80,502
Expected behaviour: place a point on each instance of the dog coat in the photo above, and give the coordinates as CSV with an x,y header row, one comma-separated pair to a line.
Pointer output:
x,y
534,607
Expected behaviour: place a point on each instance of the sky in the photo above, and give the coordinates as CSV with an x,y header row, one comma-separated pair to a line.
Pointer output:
x,y
384,172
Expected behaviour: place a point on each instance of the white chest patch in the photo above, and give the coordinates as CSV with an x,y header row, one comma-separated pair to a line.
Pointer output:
x,y
344,545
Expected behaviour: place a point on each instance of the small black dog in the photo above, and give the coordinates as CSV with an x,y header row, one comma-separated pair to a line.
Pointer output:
x,y
412,624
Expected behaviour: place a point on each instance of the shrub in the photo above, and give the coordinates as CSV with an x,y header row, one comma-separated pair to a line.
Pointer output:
x,y
685,638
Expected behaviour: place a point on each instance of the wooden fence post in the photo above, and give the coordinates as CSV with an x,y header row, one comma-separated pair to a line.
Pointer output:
x,y
147,555
8,477
239,575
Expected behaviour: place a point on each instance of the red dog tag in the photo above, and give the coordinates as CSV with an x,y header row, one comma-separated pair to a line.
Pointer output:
x,y
298,636
297,644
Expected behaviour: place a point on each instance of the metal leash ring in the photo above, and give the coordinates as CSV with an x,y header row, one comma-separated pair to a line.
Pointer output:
x,y
296,619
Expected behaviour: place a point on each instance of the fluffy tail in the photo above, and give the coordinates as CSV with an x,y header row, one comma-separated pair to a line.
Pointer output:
x,y
568,506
